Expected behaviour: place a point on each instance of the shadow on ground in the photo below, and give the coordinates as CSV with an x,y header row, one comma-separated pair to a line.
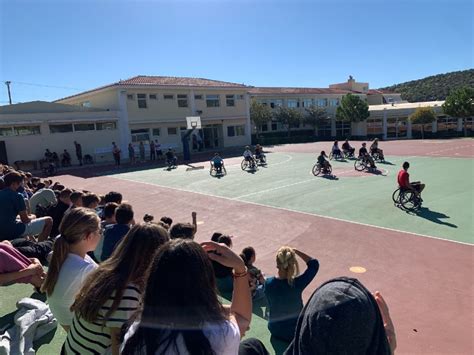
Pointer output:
x,y
433,216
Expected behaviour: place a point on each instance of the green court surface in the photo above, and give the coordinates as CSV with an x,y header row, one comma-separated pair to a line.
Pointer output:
x,y
360,197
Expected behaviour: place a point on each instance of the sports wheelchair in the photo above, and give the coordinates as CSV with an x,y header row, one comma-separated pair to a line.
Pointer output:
x,y
217,171
318,169
406,199
249,164
172,163
261,159
377,155
362,163
337,156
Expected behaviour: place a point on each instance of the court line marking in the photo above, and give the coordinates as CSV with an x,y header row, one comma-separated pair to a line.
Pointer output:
x,y
294,211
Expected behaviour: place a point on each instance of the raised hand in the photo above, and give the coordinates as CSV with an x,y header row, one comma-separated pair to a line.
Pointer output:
x,y
224,255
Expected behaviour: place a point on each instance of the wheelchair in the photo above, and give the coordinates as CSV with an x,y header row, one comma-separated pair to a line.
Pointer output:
x,y
261,159
318,169
406,199
217,171
348,153
172,163
377,155
337,156
362,163
249,164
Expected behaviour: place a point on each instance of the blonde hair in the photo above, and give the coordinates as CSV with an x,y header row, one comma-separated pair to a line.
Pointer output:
x,y
287,264
75,226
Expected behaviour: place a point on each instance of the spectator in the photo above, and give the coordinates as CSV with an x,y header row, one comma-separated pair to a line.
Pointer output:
x,y
42,200
113,196
152,150
90,200
114,233
141,148
112,293
284,291
223,274
167,220
256,278
184,230
215,236
78,152
109,214
57,211
343,317
116,153
70,264
159,152
66,158
131,153
76,199
12,204
182,313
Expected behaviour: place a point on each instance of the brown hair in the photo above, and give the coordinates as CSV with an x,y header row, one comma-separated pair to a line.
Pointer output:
x,y
287,263
75,226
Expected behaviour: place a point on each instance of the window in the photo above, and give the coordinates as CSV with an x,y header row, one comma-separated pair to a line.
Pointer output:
x,y
26,130
6,131
333,102
307,102
322,102
276,103
264,127
230,100
60,128
172,131
325,128
105,126
84,127
212,101
233,131
152,97
86,104
168,96
292,103
230,131
182,100
140,135
130,96
155,131
141,100
197,97
274,126
374,126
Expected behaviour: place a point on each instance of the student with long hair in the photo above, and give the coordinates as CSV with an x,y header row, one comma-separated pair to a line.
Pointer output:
x,y
112,293
256,278
182,313
70,264
284,291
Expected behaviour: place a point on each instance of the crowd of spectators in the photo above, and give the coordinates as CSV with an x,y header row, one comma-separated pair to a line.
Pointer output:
x,y
117,284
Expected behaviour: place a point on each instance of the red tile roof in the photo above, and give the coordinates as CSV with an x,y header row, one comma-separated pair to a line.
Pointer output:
x,y
309,91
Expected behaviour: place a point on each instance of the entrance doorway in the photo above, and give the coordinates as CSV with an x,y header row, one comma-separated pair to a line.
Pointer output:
x,y
212,136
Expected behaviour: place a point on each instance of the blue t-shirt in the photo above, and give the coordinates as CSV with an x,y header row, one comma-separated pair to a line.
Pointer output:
x,y
112,236
285,302
11,203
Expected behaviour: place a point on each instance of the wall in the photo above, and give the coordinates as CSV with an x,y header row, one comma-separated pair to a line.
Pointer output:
x,y
105,99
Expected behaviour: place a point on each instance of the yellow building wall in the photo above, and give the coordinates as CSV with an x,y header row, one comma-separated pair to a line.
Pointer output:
x,y
106,99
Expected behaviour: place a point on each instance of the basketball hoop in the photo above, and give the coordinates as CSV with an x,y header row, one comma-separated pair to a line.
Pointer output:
x,y
193,122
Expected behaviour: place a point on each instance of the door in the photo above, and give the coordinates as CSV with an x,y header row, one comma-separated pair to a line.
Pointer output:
x,y
212,136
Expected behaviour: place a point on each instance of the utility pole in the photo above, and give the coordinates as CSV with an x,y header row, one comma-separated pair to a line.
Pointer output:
x,y
7,83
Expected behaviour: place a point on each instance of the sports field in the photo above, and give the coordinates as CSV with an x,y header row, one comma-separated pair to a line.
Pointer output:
x,y
421,262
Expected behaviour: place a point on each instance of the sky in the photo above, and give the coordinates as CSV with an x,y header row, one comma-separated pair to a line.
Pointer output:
x,y
56,48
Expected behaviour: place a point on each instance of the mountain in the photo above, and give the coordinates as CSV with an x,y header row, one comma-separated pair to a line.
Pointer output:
x,y
435,87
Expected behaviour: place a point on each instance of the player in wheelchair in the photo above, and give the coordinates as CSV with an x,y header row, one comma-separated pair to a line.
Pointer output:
x,y
171,159
365,157
336,153
347,149
375,151
408,194
249,160
259,156
217,165
323,164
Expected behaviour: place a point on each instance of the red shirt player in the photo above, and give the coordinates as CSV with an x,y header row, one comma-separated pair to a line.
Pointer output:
x,y
403,179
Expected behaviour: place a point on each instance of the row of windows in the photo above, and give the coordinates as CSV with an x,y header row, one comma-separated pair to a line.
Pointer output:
x,y
295,103
57,128
19,131
143,134
182,100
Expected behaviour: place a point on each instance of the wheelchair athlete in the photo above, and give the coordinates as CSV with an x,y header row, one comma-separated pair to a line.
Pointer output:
x,y
217,163
259,156
404,183
248,156
171,158
364,154
375,151
323,163
347,149
336,152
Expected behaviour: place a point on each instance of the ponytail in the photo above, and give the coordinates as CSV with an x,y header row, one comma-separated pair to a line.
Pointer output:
x,y
287,264
76,225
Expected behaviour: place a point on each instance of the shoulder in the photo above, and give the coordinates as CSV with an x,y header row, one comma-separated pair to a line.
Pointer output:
x,y
224,337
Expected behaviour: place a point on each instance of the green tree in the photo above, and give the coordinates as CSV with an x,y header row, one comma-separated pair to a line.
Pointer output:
x,y
289,117
352,109
460,104
314,116
259,114
423,116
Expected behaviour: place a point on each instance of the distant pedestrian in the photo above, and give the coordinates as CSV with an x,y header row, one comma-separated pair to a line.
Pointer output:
x,y
159,153
116,154
131,153
141,147
199,141
152,151
78,152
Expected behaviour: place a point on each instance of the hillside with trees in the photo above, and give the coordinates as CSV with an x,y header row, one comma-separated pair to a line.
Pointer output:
x,y
436,87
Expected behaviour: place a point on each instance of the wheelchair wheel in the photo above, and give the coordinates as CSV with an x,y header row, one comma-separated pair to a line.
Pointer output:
x,y
316,169
360,165
328,170
244,165
409,201
396,196
331,156
212,171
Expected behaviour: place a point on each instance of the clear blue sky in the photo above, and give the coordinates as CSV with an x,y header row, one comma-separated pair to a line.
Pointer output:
x,y
84,44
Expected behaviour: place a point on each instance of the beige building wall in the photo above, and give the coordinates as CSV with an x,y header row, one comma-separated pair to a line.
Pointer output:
x,y
106,99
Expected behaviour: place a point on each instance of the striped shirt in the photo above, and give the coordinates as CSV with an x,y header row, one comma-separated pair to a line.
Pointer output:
x,y
95,338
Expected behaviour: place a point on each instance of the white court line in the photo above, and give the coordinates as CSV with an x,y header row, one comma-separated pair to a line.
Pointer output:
x,y
294,211
272,189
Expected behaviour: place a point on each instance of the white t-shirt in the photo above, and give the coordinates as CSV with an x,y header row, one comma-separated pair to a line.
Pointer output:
x,y
71,277
44,198
224,339
247,153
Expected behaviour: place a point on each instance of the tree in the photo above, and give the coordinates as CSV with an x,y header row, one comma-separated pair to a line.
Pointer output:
x,y
259,114
314,116
352,109
460,104
423,116
289,117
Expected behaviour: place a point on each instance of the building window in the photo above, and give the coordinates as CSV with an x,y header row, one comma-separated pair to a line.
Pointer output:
x,y
233,131
276,103
182,100
321,102
153,97
26,130
105,126
307,102
240,97
140,135
172,131
78,127
168,96
197,97
141,100
274,126
60,128
130,96
374,126
230,100
333,102
86,104
264,127
156,131
6,131
292,103
325,128
212,101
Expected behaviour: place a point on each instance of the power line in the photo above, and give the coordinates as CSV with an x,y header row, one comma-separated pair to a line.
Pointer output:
x,y
45,85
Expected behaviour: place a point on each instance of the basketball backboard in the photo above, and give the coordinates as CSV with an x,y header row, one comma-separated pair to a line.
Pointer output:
x,y
193,122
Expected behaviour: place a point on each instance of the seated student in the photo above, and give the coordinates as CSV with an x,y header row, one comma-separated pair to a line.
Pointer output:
x,y
347,149
284,291
17,268
113,196
48,156
374,148
256,278
109,215
66,158
41,201
57,211
335,149
167,220
184,230
114,233
12,204
112,293
403,180
171,158
217,162
70,264
33,249
248,155
76,199
259,152
343,317
322,161
363,154
90,200
190,319
223,273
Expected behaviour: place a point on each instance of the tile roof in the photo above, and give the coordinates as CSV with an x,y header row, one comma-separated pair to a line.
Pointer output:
x,y
309,91
145,80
